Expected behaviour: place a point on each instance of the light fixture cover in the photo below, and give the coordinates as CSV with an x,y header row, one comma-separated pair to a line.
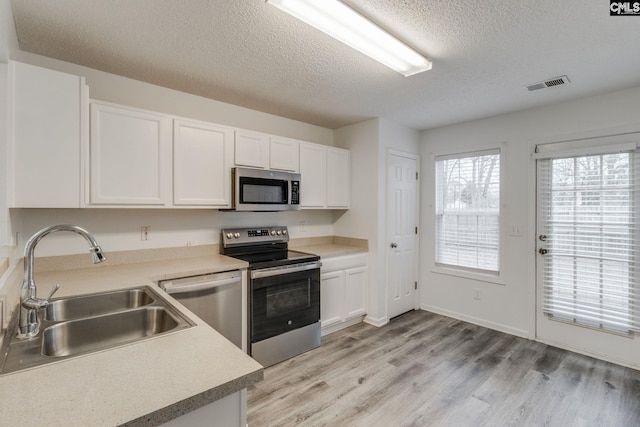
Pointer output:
x,y
345,24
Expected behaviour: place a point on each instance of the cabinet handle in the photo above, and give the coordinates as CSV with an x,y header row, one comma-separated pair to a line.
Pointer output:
x,y
394,245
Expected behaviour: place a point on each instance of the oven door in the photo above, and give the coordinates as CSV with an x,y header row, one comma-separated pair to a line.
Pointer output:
x,y
283,299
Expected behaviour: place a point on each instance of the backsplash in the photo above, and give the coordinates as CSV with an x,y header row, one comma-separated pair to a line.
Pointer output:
x,y
120,229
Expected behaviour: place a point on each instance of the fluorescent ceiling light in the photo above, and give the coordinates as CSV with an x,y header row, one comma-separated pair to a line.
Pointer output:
x,y
343,23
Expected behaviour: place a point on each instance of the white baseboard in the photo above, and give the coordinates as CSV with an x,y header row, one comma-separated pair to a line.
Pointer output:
x,y
380,321
477,321
341,325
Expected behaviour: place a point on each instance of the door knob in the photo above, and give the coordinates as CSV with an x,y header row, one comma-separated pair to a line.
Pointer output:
x,y
543,251
543,237
394,245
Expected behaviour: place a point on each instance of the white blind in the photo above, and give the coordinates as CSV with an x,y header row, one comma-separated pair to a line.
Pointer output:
x,y
588,205
468,210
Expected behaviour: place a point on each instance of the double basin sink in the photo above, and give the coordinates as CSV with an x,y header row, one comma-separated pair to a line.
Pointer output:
x,y
78,325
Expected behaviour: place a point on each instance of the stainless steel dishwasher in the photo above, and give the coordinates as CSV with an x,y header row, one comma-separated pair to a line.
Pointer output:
x,y
216,298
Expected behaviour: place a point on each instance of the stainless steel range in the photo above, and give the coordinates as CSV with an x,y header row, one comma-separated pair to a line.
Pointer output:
x,y
284,292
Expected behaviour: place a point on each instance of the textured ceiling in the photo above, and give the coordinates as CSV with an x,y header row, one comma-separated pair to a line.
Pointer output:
x,y
249,53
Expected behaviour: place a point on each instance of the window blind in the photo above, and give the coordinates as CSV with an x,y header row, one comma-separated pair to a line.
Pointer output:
x,y
468,210
589,216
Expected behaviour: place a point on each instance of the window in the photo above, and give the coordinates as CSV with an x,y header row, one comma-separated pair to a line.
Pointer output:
x,y
468,211
588,208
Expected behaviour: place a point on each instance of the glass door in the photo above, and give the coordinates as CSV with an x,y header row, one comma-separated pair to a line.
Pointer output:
x,y
587,261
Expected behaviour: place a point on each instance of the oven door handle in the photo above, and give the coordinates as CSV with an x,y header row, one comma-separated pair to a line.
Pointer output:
x,y
277,271
210,284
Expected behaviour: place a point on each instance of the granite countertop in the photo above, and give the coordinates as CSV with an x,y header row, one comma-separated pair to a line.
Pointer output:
x,y
144,383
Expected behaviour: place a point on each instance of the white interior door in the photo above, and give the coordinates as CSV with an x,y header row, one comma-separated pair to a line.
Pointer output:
x,y
402,239
587,286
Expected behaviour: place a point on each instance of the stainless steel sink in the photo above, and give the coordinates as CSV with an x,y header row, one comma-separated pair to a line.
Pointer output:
x,y
89,323
97,333
96,304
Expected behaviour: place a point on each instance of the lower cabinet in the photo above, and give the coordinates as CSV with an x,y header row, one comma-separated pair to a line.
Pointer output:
x,y
343,291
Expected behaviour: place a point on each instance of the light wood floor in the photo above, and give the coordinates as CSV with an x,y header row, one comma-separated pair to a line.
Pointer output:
x,y
424,369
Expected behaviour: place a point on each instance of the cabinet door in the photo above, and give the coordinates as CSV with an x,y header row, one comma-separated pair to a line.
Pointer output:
x,y
313,169
130,156
338,178
331,298
202,157
46,126
284,154
356,291
251,149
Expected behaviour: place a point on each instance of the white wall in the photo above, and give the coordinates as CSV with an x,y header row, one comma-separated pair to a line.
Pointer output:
x,y
511,307
361,220
119,229
369,142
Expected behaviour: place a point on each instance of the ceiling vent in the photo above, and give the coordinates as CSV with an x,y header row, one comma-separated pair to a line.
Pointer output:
x,y
556,81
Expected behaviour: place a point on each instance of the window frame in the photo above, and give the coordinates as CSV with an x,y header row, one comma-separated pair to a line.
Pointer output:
x,y
497,277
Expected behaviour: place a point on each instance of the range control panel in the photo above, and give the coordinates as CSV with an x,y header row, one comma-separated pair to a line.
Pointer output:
x,y
250,236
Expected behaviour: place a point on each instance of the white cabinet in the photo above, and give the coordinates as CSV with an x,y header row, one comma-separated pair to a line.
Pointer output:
x,y
251,149
130,156
284,154
47,123
356,291
343,291
202,160
332,298
326,178
338,177
313,170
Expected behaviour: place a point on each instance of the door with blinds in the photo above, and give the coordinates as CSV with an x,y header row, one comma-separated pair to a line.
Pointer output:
x,y
587,241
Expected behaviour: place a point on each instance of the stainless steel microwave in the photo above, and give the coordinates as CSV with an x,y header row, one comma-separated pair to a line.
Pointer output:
x,y
265,190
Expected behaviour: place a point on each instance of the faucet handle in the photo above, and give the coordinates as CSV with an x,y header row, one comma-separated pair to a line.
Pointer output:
x,y
53,291
38,303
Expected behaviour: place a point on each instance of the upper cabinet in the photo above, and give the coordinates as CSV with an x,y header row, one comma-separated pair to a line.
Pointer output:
x,y
66,152
325,177
338,178
130,156
47,123
284,154
313,171
251,149
202,159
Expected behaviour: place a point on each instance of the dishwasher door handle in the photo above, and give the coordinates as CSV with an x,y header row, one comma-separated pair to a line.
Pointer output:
x,y
179,289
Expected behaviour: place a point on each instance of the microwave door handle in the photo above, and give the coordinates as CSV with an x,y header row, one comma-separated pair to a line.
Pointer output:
x,y
179,289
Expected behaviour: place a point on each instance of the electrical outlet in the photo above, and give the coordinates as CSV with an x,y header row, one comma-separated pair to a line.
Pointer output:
x,y
302,226
192,243
145,232
515,230
476,294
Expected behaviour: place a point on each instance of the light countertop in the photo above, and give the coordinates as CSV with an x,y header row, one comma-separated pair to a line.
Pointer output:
x,y
151,381
329,247
144,383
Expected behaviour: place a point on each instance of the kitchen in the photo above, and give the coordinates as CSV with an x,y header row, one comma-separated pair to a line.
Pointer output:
x,y
508,307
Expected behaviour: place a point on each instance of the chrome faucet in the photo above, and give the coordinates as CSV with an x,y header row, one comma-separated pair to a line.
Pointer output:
x,y
30,304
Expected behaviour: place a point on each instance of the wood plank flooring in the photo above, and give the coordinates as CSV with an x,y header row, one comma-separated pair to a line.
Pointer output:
x,y
424,369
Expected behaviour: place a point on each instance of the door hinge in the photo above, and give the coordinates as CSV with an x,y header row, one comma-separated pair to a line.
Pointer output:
x,y
416,230
416,176
415,285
